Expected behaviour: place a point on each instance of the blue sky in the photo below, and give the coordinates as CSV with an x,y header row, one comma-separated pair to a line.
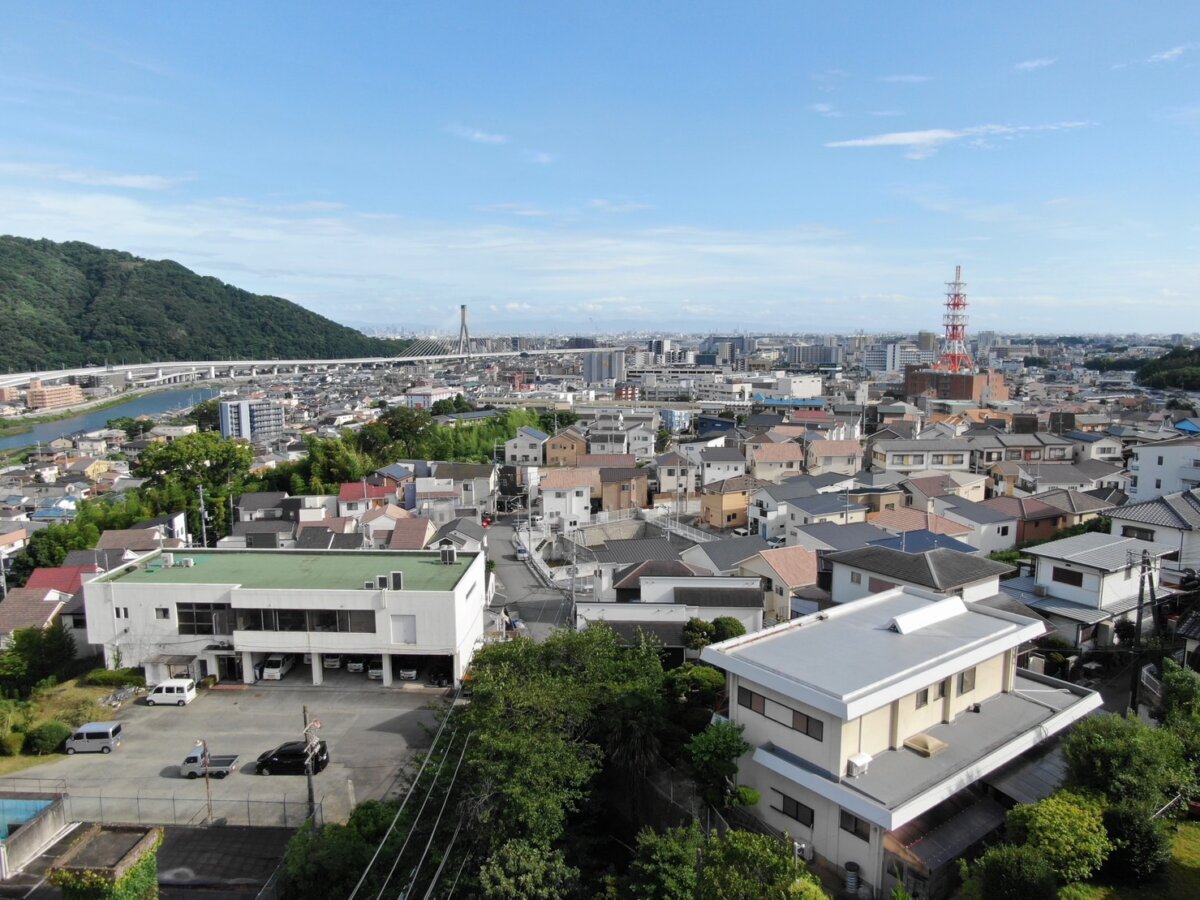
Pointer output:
x,y
596,166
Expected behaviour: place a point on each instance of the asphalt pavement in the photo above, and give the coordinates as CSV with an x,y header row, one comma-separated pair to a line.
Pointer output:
x,y
542,609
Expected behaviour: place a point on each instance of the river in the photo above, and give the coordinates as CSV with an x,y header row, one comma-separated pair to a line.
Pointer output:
x,y
146,405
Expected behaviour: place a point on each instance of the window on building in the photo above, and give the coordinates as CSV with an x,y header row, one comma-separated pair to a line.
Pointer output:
x,y
1160,460
730,517
1157,482
966,681
1132,531
937,691
793,809
162,612
855,825
856,577
203,618
1066,576
751,700
121,612
1002,531
922,697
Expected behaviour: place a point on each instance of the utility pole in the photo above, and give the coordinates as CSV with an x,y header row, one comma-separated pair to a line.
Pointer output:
x,y
1143,576
310,747
203,517
203,745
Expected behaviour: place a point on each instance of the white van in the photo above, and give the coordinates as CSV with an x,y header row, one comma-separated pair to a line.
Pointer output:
x,y
277,665
95,737
741,532
173,691
522,553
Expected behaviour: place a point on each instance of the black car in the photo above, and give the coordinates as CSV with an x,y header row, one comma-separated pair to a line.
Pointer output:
x,y
290,759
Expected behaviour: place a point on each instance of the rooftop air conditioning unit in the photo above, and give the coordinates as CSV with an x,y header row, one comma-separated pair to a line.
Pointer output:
x,y
1040,590
449,556
168,560
187,562
858,764
397,581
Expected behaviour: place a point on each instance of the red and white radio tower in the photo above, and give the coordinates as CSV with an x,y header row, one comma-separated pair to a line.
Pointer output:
x,y
955,357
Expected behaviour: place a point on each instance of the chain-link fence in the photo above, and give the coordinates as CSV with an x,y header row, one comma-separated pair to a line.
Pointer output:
x,y
171,809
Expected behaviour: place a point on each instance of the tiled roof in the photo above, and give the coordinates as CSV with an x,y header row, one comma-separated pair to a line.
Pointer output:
x,y
1107,552
748,598
410,534
721,455
942,570
463,471
605,460
1075,502
793,566
1025,508
826,449
1180,511
612,475
920,541
776,453
29,608
724,555
261,500
976,512
916,520
356,490
630,579
569,477
629,552
67,579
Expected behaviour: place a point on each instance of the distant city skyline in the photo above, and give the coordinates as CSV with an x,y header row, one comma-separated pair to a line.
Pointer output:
x,y
767,167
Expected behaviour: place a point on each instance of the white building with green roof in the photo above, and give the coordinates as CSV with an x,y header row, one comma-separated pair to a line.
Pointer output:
x,y
222,612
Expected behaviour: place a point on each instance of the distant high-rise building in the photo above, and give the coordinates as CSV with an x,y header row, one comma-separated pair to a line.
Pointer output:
x,y
607,365
251,420
659,346
580,343
814,355
929,341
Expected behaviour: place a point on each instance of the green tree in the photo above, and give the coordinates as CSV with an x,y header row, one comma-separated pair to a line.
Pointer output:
x,y
1141,843
742,865
1068,829
1010,872
693,683
1125,759
726,627
698,634
664,863
714,753
196,459
327,862
520,870
408,428
133,428
206,415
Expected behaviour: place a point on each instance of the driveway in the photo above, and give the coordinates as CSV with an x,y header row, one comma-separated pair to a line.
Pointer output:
x,y
542,609
371,732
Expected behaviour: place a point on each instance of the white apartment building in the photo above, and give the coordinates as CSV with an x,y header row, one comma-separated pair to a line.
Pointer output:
x,y
251,420
1165,467
221,612
871,723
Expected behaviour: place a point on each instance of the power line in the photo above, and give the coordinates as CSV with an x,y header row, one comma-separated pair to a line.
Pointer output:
x,y
413,826
462,865
411,788
445,856
433,832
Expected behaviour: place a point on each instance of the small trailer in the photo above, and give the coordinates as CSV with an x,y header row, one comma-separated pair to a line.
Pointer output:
x,y
193,765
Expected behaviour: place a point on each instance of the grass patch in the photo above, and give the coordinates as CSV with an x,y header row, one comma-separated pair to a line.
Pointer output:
x,y
11,765
1182,881
69,702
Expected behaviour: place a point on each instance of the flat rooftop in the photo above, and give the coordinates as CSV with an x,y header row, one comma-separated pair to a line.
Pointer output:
x,y
896,777
324,570
851,649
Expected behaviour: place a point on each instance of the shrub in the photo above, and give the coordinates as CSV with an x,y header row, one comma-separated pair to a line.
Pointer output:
x,y
727,627
1067,829
12,744
207,681
47,738
1008,872
116,678
1141,843
83,713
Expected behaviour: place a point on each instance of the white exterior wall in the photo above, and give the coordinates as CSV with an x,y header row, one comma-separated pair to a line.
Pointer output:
x,y
719,471
843,588
1178,471
1099,589
561,506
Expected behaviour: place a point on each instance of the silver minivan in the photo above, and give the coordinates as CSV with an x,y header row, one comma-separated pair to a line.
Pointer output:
x,y
95,737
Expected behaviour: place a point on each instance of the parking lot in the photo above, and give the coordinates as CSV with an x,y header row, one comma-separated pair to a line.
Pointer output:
x,y
370,731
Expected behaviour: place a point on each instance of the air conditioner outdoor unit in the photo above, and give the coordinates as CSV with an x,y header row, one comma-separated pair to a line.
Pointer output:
x,y
368,585
187,562
381,582
168,560
1040,590
397,581
449,556
803,850
858,764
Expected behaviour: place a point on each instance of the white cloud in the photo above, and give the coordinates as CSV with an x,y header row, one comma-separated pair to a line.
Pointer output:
x,y
538,157
905,79
1030,65
826,109
616,206
88,177
476,136
1170,55
517,307
923,144
516,209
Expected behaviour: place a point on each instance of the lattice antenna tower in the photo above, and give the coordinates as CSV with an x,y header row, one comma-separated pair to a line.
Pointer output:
x,y
955,357
464,337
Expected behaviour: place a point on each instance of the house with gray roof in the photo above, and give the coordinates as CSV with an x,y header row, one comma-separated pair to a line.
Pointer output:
x,y
832,508
873,569
1173,519
723,556
720,463
1087,583
992,529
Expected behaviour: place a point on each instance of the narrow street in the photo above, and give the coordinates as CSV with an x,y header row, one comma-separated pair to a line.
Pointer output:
x,y
540,608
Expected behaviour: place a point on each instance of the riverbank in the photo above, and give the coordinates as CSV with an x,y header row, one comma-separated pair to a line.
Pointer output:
x,y
24,424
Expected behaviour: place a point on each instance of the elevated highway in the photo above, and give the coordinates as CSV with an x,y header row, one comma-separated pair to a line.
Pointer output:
x,y
158,373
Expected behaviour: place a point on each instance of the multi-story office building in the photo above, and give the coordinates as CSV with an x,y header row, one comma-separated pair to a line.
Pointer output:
x,y
221,612
608,365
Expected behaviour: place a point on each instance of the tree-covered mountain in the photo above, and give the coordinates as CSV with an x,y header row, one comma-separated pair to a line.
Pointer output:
x,y
73,304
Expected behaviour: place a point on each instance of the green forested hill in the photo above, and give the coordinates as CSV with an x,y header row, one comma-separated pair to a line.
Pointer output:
x,y
73,304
